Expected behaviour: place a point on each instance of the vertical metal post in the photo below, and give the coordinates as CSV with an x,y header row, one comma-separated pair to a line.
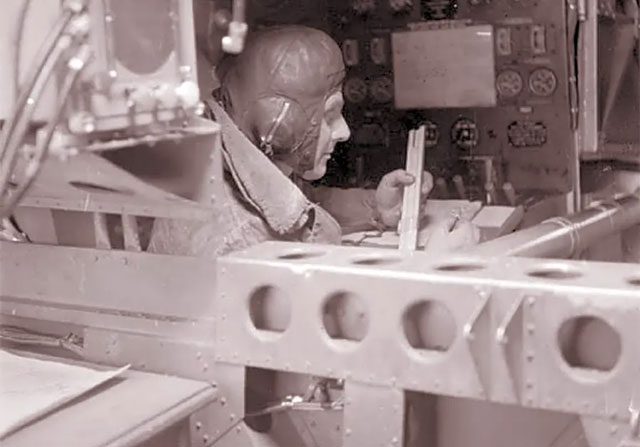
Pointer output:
x,y
588,75
101,231
130,233
411,203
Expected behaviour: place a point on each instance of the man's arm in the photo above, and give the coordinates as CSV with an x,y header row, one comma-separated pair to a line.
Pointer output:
x,y
353,208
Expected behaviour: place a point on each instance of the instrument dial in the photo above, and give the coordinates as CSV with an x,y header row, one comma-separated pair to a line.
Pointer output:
x,y
382,89
543,82
363,6
464,134
431,134
509,83
400,5
439,9
355,90
527,134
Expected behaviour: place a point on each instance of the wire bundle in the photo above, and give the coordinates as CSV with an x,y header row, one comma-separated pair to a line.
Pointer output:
x,y
64,44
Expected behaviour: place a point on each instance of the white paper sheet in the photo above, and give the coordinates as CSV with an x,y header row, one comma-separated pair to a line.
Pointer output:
x,y
434,213
30,388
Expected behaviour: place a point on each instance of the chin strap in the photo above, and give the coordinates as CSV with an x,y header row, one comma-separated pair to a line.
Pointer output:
x,y
266,140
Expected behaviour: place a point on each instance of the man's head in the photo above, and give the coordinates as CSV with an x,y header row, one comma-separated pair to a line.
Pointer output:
x,y
284,91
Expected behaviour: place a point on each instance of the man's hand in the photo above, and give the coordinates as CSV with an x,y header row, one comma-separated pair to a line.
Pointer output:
x,y
452,235
389,194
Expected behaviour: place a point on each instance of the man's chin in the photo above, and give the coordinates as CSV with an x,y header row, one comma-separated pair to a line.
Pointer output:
x,y
315,174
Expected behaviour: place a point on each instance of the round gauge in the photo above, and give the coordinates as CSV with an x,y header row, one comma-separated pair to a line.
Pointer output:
x,y
382,89
363,6
400,5
464,134
355,90
439,9
509,83
431,134
542,82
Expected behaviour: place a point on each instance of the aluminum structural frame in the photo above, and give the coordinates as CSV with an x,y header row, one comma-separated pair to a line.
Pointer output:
x,y
507,314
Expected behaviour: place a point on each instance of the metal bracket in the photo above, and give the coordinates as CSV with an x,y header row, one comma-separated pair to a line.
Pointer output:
x,y
509,337
477,334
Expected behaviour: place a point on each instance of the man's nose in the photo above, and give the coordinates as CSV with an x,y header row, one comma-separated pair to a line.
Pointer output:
x,y
341,131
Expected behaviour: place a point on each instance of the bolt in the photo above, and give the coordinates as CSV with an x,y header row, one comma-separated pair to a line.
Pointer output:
x,y
347,432
531,301
531,328
238,429
205,438
232,416
198,425
223,401
530,356
205,367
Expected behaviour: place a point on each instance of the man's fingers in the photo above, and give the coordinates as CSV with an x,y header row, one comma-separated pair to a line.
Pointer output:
x,y
398,178
427,183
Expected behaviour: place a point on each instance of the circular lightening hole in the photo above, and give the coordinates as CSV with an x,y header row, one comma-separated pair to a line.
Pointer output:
x,y
634,282
345,317
460,267
555,272
588,342
429,325
377,260
297,255
270,309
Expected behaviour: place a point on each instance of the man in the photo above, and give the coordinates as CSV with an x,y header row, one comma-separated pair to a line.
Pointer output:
x,y
280,108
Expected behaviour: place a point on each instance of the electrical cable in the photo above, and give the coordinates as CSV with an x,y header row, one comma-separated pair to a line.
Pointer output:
x,y
15,129
75,65
17,46
25,337
18,127
41,59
